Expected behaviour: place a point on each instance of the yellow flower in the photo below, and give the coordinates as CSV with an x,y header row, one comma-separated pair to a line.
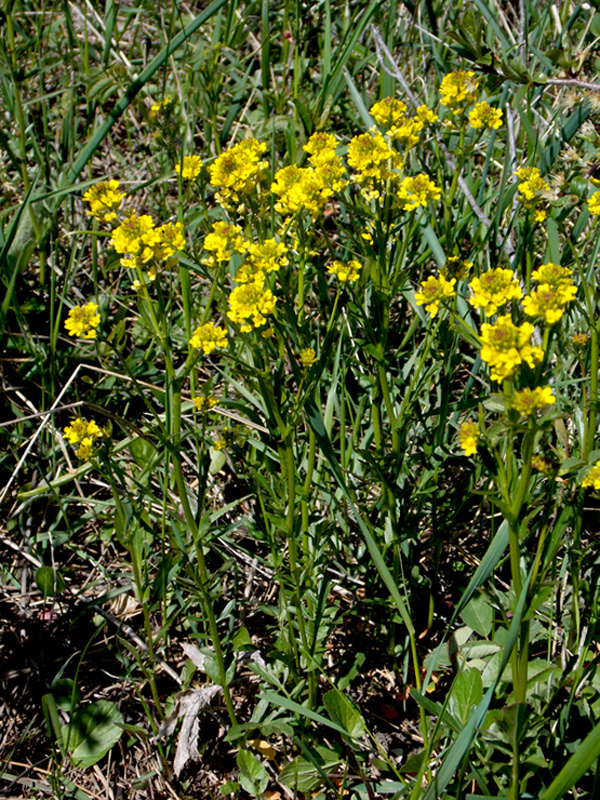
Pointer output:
x,y
415,192
105,200
549,301
434,292
162,108
594,204
493,289
83,433
136,237
190,168
204,403
580,341
208,337
249,304
262,258
506,346
468,437
528,401
224,240
170,241
325,161
426,115
553,274
238,171
542,464
456,267
485,116
349,272
83,321
388,112
458,89
592,478
300,189
374,162
307,357
220,443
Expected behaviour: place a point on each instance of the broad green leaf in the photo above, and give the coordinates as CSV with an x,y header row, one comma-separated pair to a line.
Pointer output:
x,y
49,581
91,733
303,775
466,693
253,776
343,711
478,615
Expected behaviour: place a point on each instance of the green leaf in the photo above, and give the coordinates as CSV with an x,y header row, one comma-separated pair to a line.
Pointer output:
x,y
467,692
91,733
343,711
303,775
49,581
253,776
479,615
580,762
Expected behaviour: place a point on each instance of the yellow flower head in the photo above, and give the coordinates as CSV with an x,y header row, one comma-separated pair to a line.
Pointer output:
x,y
162,107
532,187
204,403
580,341
262,258
415,192
528,401
83,433
542,464
593,477
135,237
83,321
238,171
345,273
485,116
250,304
506,346
594,204
552,274
326,163
549,301
208,337
170,241
426,115
388,112
191,167
458,89
301,189
494,289
105,200
456,267
307,357
468,437
374,161
434,292
224,240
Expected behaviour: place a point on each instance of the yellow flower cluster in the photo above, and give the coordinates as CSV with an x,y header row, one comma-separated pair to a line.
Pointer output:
x,y
83,321
456,267
532,191
434,292
261,259
494,289
528,401
468,437
506,346
307,357
83,433
204,403
162,108
300,189
190,168
224,240
390,114
485,116
249,305
208,337
416,191
325,161
593,477
458,89
594,204
374,163
554,291
139,241
238,171
345,272
105,200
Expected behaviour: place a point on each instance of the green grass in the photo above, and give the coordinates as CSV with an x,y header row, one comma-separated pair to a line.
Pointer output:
x,y
337,596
